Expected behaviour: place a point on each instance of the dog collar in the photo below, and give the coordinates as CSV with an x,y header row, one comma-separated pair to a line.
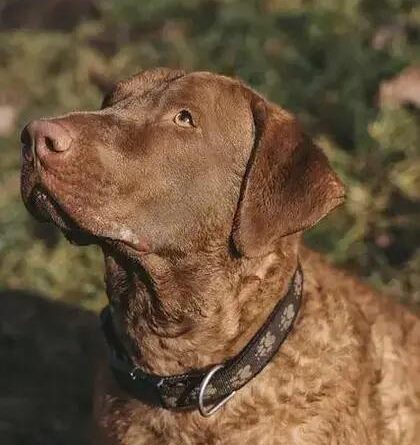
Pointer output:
x,y
206,390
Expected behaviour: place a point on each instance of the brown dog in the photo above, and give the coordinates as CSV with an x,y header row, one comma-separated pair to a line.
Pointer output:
x,y
198,190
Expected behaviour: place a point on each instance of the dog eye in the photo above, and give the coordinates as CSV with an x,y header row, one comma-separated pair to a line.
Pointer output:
x,y
184,119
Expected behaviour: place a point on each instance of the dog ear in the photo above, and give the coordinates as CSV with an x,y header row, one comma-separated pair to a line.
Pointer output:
x,y
288,185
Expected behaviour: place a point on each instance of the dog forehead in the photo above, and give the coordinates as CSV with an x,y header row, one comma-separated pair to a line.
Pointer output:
x,y
211,93
147,80
164,85
141,83
202,82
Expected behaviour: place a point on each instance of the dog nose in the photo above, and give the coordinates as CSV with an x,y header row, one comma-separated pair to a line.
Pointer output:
x,y
42,136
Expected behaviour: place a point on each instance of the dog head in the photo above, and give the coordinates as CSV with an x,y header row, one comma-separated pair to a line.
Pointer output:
x,y
176,162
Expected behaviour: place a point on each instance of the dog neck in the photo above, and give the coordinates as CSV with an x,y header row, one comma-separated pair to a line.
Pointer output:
x,y
178,314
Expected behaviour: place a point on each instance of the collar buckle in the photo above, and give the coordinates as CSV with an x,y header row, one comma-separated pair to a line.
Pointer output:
x,y
133,373
204,411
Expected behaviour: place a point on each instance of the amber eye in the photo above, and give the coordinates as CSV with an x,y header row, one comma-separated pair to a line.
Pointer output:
x,y
184,119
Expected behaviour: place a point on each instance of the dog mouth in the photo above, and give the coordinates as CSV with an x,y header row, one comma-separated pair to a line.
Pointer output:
x,y
46,209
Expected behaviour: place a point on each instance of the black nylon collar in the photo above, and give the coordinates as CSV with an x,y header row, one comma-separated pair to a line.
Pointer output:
x,y
193,390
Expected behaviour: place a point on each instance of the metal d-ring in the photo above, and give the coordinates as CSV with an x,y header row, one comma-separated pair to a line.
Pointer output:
x,y
133,372
203,410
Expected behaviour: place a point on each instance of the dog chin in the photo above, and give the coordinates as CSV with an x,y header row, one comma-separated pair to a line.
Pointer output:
x,y
45,208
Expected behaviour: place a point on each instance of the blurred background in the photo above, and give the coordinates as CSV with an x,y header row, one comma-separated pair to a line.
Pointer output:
x,y
350,69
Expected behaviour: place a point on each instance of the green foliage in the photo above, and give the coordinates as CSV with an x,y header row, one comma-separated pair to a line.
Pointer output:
x,y
315,58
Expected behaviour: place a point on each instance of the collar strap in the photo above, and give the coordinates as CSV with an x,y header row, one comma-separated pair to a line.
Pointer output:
x,y
215,385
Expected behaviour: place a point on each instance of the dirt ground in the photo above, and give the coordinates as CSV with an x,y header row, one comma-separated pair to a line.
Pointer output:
x,y
46,370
